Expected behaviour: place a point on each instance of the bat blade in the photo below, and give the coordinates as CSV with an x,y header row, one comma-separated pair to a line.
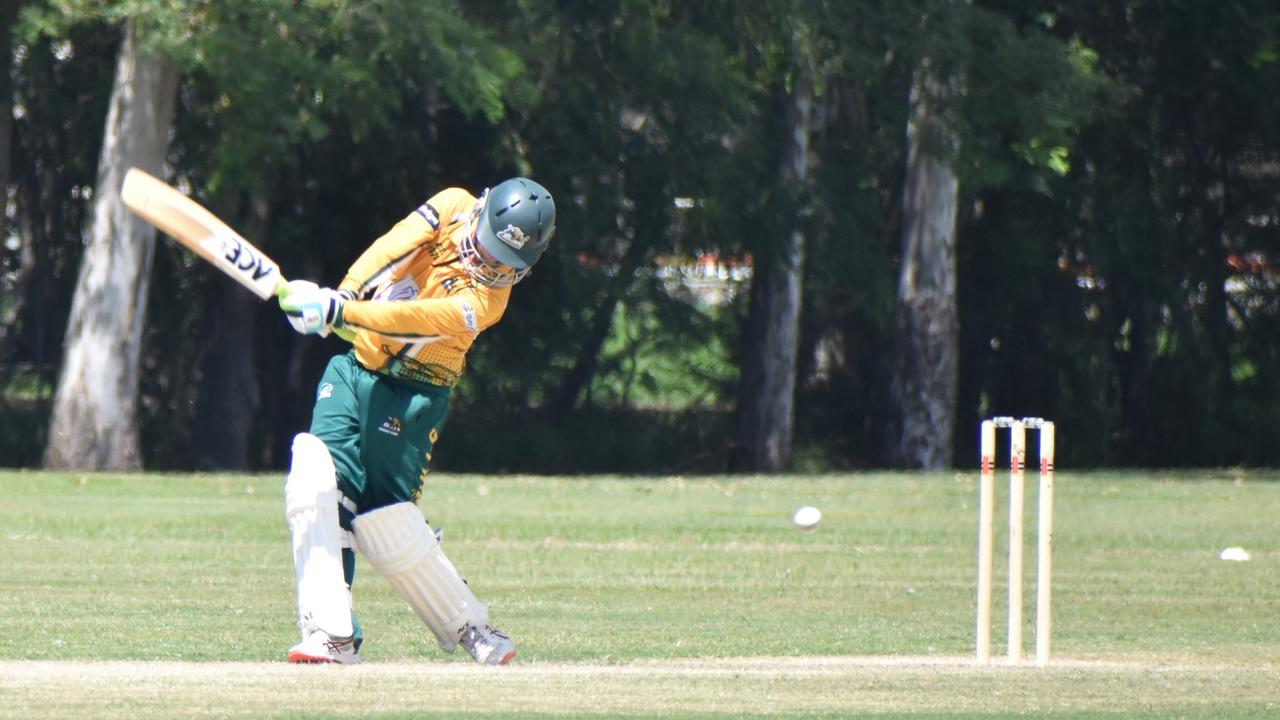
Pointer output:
x,y
186,221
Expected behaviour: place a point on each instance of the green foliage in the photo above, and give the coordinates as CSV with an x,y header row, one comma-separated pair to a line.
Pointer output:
x,y
326,66
24,409
1117,212
667,354
164,26
57,97
623,108
1026,95
266,76
1145,321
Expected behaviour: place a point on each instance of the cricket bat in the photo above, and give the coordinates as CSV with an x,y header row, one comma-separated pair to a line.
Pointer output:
x,y
200,231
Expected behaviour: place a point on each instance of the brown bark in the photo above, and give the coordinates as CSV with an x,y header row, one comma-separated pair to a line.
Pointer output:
x,y
766,393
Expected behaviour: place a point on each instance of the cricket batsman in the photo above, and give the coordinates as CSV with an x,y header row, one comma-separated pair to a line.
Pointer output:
x,y
412,305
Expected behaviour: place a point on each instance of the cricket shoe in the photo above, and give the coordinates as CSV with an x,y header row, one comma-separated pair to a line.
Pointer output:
x,y
488,645
320,647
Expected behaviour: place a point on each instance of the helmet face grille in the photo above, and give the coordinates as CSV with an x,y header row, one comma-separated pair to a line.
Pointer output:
x,y
484,272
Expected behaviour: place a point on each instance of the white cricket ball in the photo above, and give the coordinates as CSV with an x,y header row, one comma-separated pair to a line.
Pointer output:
x,y
806,518
1237,554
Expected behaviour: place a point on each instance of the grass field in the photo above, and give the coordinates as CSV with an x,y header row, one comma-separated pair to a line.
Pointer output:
x,y
160,596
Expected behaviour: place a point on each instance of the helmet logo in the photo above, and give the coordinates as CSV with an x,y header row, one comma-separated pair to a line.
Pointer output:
x,y
513,236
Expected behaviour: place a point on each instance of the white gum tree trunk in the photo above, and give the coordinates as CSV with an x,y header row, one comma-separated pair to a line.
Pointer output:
x,y
94,425
928,331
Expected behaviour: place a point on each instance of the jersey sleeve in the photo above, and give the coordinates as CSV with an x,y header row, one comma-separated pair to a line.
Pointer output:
x,y
464,313
395,249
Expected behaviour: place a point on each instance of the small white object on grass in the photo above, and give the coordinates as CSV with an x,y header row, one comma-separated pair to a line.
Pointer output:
x,y
1238,554
806,517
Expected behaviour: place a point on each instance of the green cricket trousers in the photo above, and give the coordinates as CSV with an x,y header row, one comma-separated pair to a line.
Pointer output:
x,y
380,431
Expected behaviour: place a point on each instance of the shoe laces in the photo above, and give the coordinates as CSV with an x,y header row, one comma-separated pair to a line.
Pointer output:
x,y
482,641
339,644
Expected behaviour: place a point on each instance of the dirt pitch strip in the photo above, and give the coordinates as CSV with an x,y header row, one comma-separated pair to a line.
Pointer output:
x,y
799,686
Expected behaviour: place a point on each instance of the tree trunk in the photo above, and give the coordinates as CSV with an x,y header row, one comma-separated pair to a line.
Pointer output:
x,y
94,424
927,372
8,13
766,391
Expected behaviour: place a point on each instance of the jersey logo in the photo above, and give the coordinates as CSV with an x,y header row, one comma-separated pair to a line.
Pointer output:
x,y
468,316
513,236
390,426
402,289
456,283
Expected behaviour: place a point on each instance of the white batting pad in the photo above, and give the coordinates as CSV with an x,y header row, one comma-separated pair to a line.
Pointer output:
x,y
311,507
399,544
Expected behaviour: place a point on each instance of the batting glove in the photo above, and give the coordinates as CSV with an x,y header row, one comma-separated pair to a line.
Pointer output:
x,y
311,309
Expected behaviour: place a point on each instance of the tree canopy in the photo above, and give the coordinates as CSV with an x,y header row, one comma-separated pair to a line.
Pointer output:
x,y
1116,239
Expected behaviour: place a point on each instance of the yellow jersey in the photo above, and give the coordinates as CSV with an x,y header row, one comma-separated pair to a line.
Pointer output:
x,y
418,310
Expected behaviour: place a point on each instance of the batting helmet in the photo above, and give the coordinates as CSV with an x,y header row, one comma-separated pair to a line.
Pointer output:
x,y
515,223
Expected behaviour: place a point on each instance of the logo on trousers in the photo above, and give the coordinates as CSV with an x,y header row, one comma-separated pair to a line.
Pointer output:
x,y
391,426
